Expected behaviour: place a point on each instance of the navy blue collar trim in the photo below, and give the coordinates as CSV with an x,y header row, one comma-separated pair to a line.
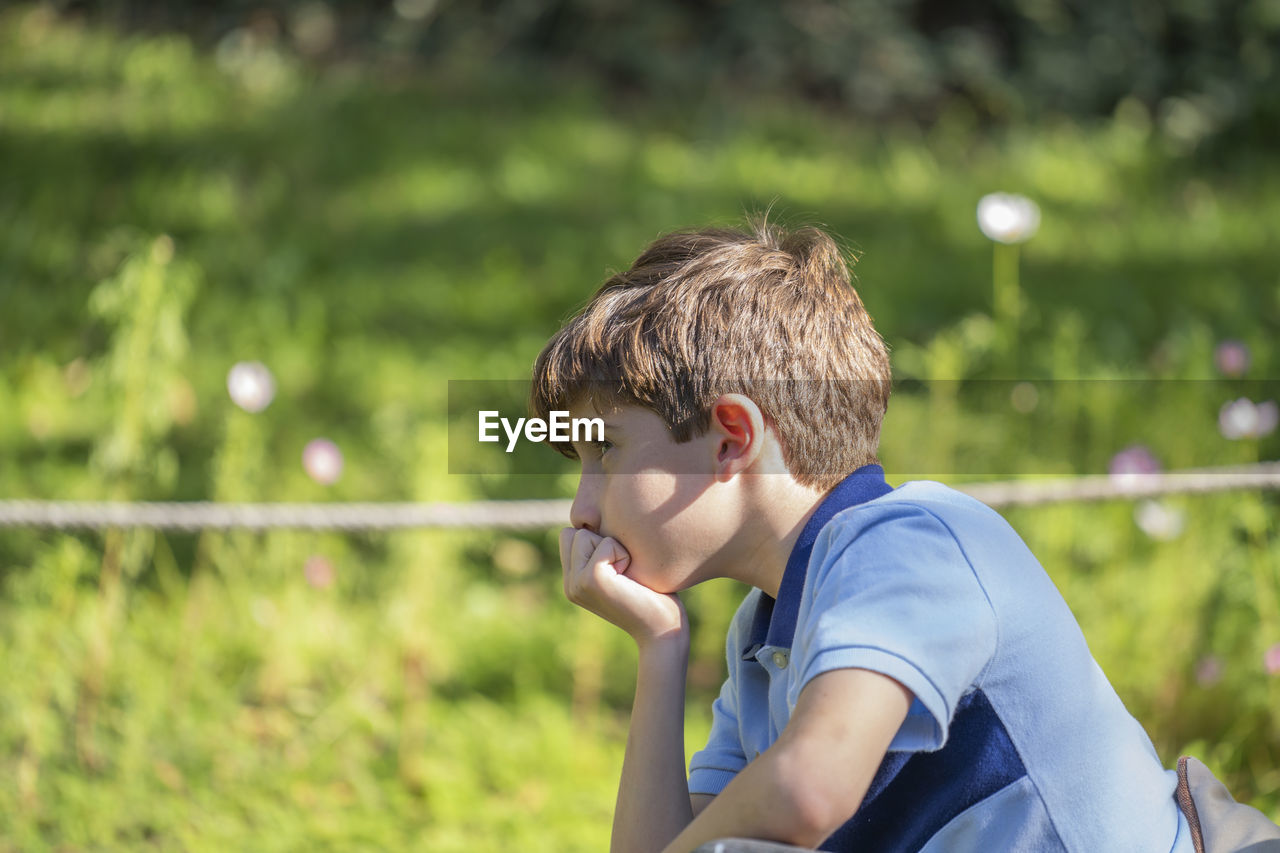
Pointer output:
x,y
774,623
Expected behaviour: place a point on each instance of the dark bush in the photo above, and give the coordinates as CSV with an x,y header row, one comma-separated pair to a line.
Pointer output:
x,y
1203,68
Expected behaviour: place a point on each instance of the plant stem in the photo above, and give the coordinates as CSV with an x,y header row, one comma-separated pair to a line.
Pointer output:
x,y
1006,299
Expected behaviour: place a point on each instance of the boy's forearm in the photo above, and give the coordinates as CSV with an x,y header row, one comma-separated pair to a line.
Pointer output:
x,y
814,776
762,803
653,794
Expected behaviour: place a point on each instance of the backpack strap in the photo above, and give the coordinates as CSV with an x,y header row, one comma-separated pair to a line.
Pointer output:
x,y
1183,795
1218,823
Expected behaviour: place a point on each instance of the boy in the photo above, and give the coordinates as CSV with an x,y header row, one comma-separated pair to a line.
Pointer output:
x,y
903,674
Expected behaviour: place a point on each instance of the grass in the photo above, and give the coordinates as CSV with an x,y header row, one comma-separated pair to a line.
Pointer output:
x,y
371,235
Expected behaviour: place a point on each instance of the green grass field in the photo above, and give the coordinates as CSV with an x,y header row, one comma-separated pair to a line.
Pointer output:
x,y
370,235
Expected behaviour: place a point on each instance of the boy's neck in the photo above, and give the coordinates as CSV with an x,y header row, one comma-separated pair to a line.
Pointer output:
x,y
783,506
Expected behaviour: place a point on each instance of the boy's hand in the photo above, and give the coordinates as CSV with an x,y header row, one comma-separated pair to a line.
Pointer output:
x,y
595,579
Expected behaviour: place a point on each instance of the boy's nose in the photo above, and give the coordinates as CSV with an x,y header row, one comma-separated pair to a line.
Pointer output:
x,y
585,511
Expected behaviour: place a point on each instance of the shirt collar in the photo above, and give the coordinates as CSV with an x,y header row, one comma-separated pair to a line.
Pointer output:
x,y
774,623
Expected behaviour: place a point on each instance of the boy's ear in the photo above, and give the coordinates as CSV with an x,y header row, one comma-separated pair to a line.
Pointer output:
x,y
738,427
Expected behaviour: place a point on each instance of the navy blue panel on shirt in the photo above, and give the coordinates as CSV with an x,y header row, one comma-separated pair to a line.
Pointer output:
x,y
915,794
775,622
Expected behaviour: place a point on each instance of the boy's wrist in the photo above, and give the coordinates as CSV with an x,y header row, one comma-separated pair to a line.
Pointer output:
x,y
670,644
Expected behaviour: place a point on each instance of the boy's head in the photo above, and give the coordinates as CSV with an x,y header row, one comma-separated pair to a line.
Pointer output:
x,y
764,312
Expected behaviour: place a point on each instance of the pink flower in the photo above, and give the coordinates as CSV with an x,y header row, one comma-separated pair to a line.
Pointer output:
x,y
322,461
1243,418
1130,466
1232,358
1271,660
319,571
1209,671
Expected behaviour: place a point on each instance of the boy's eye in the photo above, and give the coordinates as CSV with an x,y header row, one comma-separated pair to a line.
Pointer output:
x,y
593,449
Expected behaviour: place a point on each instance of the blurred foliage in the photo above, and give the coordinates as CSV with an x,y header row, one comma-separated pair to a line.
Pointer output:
x,y
371,234
1205,69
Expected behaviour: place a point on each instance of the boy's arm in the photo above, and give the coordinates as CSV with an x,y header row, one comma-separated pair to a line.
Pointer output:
x,y
815,775
653,794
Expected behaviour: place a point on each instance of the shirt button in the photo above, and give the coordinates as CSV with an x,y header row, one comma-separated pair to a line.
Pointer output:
x,y
780,660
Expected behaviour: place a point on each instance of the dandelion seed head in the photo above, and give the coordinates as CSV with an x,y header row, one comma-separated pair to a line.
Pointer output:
x,y
1008,218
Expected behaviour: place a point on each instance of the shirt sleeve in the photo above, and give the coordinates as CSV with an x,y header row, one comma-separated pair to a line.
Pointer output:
x,y
719,761
891,590
713,766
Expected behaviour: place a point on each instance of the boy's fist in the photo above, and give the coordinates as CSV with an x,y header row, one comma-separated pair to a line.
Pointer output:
x,y
595,579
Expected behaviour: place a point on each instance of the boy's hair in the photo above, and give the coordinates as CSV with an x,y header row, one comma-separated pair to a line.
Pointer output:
x,y
764,312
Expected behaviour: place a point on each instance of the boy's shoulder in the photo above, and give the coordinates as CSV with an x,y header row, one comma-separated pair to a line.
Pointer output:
x,y
934,507
925,534
901,524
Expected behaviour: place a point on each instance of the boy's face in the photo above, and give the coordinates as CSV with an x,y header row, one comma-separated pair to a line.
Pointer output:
x,y
659,499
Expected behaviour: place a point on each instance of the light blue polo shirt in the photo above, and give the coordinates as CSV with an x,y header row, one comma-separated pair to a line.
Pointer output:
x,y
1015,739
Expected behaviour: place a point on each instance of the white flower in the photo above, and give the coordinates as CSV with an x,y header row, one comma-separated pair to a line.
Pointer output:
x,y
1159,521
322,461
1008,218
1243,418
251,386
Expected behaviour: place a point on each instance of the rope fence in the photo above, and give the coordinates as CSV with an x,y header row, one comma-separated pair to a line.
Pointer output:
x,y
533,514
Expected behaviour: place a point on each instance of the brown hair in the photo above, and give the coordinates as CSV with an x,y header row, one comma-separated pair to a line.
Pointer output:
x,y
764,312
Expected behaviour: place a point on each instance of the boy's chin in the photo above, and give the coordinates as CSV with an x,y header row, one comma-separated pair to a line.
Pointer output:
x,y
668,587
664,586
